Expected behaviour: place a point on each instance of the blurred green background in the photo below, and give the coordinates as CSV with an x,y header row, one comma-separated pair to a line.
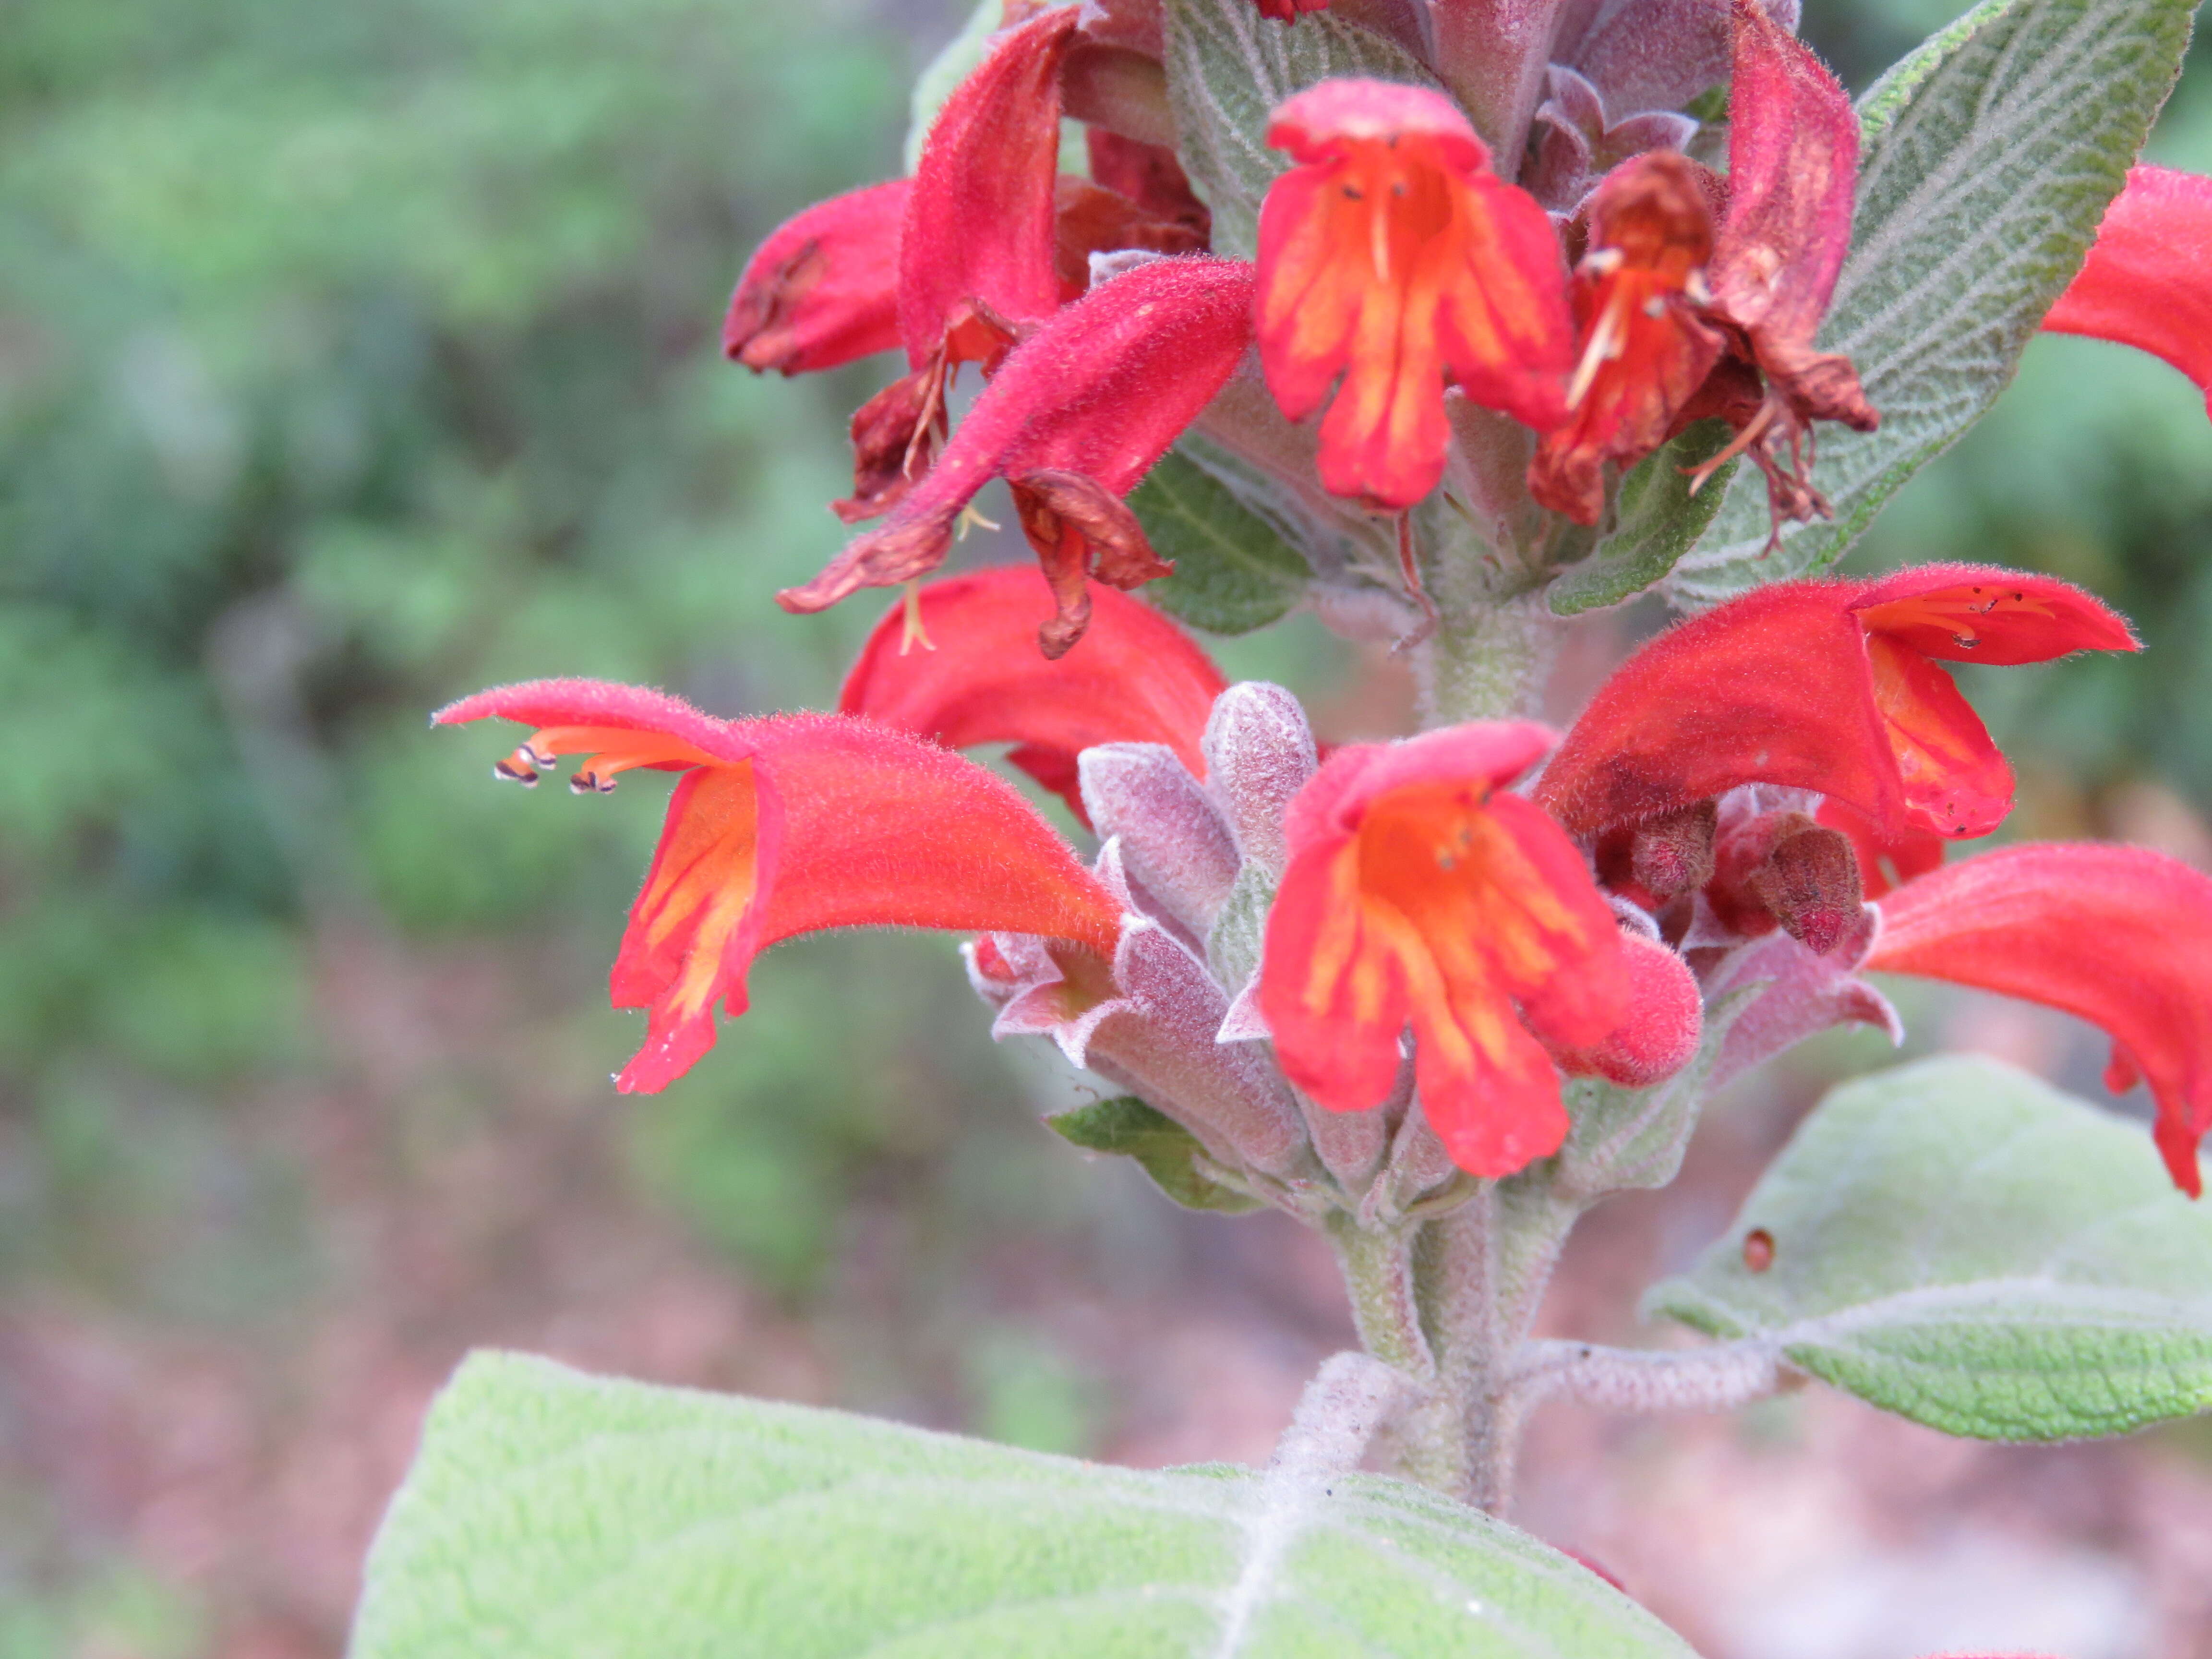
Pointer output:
x,y
354,357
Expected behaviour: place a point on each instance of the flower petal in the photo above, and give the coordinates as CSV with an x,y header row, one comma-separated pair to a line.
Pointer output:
x,y
1100,390
793,824
2119,936
1985,613
978,236
1770,688
824,288
979,679
2147,281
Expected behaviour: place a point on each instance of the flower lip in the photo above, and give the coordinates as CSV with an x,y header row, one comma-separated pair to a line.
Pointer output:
x,y
1319,124
2118,935
1417,892
1985,613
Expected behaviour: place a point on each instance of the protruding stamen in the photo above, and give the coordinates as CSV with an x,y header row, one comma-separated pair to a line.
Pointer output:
x,y
969,519
1606,342
911,630
517,768
588,782
1602,261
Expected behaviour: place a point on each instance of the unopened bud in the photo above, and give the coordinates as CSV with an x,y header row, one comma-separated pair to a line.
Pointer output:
x,y
1672,855
1665,1022
1810,883
1784,868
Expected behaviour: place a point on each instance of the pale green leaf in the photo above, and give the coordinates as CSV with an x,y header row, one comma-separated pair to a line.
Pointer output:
x,y
1987,160
1162,1147
1657,521
1228,67
1959,1243
553,1516
1234,571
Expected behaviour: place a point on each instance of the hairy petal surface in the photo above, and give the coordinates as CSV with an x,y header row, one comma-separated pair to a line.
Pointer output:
x,y
2118,935
2148,281
824,288
979,679
789,825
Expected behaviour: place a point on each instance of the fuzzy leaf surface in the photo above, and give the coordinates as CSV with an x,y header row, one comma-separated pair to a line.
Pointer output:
x,y
1958,1242
550,1514
1987,159
1228,67
1657,521
1162,1147
1234,572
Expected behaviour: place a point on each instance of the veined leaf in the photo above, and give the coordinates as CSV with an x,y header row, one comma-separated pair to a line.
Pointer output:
x,y
551,1514
1228,67
1987,161
1961,1244
1162,1147
1234,570
1657,521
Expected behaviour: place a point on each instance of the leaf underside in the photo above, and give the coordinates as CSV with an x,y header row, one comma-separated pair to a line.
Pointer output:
x,y
553,1514
1959,1243
1987,157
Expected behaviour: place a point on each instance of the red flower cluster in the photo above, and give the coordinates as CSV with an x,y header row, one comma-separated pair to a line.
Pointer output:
x,y
1757,801
1720,797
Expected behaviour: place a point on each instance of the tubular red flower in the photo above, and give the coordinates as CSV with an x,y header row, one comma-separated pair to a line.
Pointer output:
x,y
1141,680
822,289
975,249
1793,171
1644,351
1075,416
2148,281
1393,255
2118,935
1417,890
784,826
1827,686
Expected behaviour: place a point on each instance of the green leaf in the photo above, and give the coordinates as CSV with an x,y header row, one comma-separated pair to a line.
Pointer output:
x,y
1987,160
1228,67
1234,571
552,1514
1657,521
1127,1126
1963,1245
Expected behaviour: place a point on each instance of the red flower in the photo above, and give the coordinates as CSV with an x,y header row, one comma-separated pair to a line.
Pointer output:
x,y
1793,170
1140,679
2119,936
822,289
786,826
1417,890
1644,350
1076,415
2148,281
1830,686
975,249
1287,11
1394,257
